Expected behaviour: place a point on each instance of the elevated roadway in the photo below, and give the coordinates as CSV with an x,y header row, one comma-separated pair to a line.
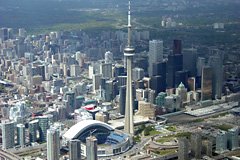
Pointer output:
x,y
4,155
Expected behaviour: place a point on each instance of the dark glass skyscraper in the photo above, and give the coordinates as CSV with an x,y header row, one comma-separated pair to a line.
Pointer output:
x,y
174,64
122,99
157,83
160,69
181,77
118,71
206,86
190,61
177,46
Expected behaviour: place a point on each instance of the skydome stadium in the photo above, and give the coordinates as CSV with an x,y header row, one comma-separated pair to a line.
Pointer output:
x,y
110,141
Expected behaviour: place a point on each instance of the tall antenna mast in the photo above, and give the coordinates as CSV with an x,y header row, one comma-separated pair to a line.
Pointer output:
x,y
129,23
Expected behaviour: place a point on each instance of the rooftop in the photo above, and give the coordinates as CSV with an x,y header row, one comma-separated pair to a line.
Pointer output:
x,y
81,126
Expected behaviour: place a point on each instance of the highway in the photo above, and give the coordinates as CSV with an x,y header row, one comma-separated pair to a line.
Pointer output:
x,y
29,150
8,156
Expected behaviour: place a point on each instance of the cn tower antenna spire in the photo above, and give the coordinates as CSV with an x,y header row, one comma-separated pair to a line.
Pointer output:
x,y
129,23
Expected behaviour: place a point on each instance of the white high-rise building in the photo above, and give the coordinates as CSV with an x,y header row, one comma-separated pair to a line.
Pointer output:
x,y
155,54
7,134
75,70
22,32
106,70
78,56
18,112
138,73
108,57
90,71
53,144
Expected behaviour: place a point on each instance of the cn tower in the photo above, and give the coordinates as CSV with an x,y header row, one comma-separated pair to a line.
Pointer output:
x,y
129,52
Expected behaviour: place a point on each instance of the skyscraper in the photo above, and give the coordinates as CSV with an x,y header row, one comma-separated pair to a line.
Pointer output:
x,y
177,46
43,126
196,145
181,77
106,70
70,98
22,32
122,81
157,84
221,142
183,148
233,138
75,149
96,82
192,83
122,99
33,127
155,54
108,57
91,148
75,70
138,74
206,86
53,144
118,70
7,134
129,52
207,144
109,90
160,69
174,63
200,64
216,62
3,34
190,61
21,134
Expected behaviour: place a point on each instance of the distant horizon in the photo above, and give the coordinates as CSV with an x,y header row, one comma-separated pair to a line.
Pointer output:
x,y
32,14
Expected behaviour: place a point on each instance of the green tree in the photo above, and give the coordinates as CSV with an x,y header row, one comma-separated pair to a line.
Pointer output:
x,y
2,89
147,130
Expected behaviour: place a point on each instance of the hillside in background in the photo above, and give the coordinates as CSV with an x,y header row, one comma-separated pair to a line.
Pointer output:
x,y
40,15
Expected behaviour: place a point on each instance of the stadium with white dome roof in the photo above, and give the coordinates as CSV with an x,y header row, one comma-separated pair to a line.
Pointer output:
x,y
110,140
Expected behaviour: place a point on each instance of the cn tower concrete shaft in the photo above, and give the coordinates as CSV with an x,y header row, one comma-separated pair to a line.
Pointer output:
x,y
129,127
